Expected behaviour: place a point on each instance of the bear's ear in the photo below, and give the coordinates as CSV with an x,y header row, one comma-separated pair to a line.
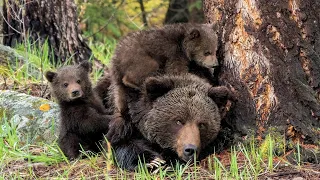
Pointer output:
x,y
86,65
194,33
50,75
220,95
156,87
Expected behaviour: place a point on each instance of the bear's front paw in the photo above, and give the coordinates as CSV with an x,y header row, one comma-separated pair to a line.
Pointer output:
x,y
72,154
156,164
119,130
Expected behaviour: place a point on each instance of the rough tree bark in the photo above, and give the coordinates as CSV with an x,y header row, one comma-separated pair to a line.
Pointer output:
x,y
270,54
46,19
181,11
177,12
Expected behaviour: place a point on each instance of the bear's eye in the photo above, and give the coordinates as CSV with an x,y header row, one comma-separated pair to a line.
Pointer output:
x,y
178,122
78,81
65,84
202,126
207,53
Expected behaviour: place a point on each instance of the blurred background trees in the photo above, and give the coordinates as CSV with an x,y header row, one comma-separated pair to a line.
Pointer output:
x,y
111,19
74,28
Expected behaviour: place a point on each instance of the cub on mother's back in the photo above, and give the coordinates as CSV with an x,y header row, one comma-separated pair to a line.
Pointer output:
x,y
167,50
83,116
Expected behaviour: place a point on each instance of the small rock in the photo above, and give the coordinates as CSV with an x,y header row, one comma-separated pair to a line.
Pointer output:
x,y
36,118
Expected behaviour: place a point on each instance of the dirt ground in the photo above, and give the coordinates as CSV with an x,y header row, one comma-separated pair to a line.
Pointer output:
x,y
311,171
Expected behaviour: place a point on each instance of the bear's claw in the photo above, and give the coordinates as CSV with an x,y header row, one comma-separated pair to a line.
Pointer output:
x,y
155,165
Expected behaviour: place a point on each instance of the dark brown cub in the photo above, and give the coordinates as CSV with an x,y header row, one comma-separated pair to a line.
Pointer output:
x,y
83,116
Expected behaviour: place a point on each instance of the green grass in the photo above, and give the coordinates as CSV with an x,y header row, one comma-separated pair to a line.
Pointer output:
x,y
37,62
103,51
39,58
43,160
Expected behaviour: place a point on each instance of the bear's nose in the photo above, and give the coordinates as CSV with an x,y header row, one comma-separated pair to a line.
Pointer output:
x,y
75,93
189,150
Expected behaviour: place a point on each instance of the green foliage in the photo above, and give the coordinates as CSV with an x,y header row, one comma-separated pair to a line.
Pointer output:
x,y
110,19
12,149
298,155
234,165
103,51
38,60
196,5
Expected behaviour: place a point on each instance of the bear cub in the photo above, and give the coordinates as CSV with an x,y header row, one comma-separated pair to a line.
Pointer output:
x,y
83,116
171,49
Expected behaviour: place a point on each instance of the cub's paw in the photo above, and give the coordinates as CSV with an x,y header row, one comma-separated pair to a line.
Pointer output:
x,y
119,130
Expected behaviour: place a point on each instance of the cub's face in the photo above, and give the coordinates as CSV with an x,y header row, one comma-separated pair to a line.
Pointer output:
x,y
184,119
201,46
70,82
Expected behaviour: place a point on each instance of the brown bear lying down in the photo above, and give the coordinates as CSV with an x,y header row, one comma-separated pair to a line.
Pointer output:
x,y
84,119
174,118
172,49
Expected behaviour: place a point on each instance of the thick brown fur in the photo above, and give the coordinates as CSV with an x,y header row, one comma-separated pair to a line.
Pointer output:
x,y
167,50
101,89
83,116
176,115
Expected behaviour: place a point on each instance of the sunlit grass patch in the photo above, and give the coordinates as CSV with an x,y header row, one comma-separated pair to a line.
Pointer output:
x,y
43,160
28,76
249,161
103,51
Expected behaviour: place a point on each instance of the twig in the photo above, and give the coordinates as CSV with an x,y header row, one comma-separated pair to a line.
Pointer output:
x,y
105,25
9,23
5,35
44,91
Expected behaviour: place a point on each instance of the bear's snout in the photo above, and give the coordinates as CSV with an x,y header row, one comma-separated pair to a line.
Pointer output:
x,y
189,151
210,61
188,142
75,94
75,91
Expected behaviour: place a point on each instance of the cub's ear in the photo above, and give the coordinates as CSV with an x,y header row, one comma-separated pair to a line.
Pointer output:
x,y
221,94
156,87
194,33
50,75
86,65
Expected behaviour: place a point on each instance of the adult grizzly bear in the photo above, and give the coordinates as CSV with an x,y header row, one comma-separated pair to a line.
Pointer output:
x,y
84,119
172,49
174,118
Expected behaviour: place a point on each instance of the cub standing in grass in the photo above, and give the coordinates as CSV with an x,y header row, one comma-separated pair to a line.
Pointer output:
x,y
83,116
172,49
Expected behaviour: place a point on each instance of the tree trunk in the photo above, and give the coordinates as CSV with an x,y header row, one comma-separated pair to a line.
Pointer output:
x,y
270,54
196,11
143,12
46,19
177,12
